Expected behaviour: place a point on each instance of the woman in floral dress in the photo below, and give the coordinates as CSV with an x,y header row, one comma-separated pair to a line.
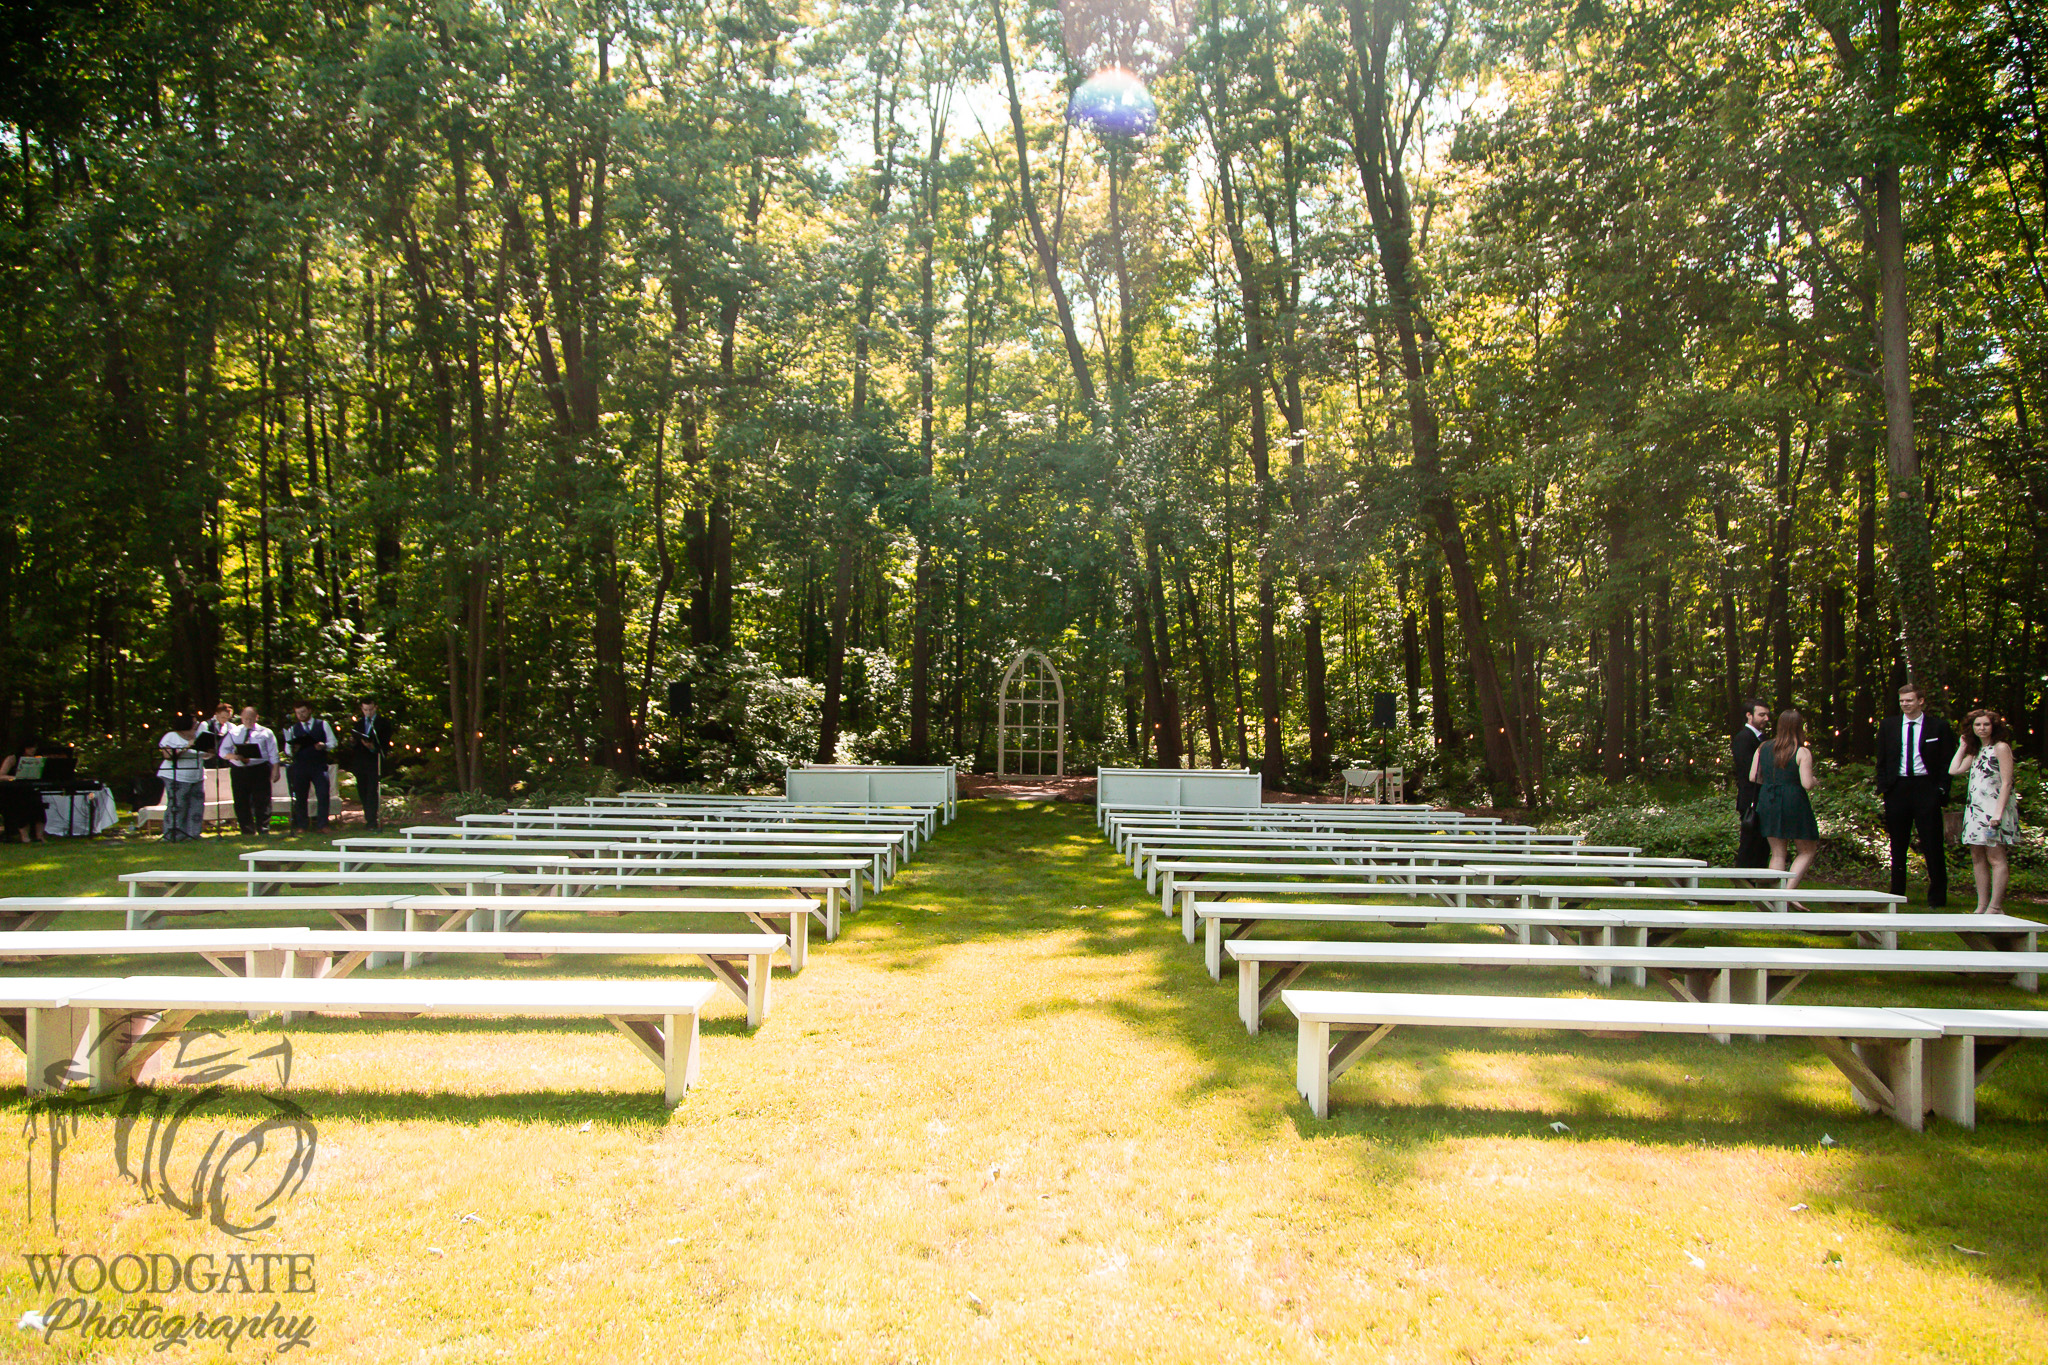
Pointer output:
x,y
1991,824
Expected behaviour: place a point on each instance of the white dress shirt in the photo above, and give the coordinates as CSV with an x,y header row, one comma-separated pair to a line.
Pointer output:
x,y
1910,762
258,735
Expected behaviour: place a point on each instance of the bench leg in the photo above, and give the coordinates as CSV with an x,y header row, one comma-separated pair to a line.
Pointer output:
x,y
122,1045
797,928
831,914
1886,1075
1315,1070
749,981
760,975
670,1044
1187,915
1750,986
50,1041
1255,991
1312,1067
388,919
1952,1079
1718,993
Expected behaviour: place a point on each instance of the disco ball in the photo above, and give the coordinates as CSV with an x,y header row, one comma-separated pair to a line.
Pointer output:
x,y
1115,103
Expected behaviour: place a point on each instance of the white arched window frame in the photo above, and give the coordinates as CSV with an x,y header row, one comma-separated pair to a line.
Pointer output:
x,y
1031,718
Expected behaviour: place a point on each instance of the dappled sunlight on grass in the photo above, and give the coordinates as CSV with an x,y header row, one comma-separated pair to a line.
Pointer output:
x,y
1009,1116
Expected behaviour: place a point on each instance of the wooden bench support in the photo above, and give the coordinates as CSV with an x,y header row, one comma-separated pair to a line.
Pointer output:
x,y
670,1042
1885,1075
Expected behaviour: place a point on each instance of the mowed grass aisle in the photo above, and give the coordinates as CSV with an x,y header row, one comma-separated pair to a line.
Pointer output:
x,y
1009,1117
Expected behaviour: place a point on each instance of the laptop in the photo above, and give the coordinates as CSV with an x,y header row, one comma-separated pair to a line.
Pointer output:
x,y
51,770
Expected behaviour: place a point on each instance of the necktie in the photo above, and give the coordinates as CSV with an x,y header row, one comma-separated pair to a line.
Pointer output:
x,y
1913,749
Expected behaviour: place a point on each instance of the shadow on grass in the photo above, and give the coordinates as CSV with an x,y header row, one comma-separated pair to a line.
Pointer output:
x,y
568,1108
1021,871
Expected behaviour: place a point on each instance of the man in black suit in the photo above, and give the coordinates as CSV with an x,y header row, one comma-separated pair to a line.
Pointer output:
x,y
1913,753
370,734
1754,850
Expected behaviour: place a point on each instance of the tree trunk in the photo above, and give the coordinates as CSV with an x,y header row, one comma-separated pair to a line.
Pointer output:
x,y
1376,145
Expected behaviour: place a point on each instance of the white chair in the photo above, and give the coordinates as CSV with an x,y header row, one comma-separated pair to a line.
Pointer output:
x,y
1397,786
1364,780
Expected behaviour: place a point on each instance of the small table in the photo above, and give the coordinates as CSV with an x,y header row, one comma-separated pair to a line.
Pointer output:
x,y
77,809
1365,779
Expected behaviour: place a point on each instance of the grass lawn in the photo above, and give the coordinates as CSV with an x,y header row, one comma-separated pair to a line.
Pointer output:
x,y
1009,1117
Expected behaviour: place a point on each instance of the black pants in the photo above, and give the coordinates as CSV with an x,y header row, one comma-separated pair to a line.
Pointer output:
x,y
1913,806
366,792
303,781
1751,849
250,784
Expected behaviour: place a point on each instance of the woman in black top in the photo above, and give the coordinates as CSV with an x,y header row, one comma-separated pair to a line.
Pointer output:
x,y
21,805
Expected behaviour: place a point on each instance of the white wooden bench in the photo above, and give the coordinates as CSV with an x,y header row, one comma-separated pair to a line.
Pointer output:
x,y
1444,884
1879,1050
1108,813
883,844
1145,857
109,1031
789,917
596,852
740,962
590,884
1622,926
1985,933
1122,831
1220,919
160,882
1750,976
670,843
147,912
1776,899
1664,871
1142,845
590,864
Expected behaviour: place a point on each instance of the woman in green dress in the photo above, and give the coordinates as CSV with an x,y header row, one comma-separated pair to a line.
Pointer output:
x,y
1783,772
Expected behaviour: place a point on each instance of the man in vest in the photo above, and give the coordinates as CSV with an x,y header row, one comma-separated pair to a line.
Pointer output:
x,y
311,743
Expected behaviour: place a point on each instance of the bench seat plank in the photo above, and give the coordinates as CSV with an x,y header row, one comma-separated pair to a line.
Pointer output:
x,y
1880,1051
1762,976
129,1020
786,916
741,962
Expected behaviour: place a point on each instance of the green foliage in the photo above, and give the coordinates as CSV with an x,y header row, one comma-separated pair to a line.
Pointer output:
x,y
511,363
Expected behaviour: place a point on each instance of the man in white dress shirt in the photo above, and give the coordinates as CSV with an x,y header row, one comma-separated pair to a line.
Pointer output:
x,y
250,750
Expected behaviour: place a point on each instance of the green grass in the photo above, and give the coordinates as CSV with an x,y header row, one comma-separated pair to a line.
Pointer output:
x,y
1009,1117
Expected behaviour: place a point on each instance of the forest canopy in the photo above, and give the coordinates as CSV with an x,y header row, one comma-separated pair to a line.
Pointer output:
x,y
694,388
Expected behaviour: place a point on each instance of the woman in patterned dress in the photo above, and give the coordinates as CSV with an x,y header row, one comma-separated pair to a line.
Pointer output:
x,y
1991,820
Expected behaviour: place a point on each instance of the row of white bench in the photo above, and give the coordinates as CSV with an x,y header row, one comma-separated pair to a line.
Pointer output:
x,y
107,1031
790,917
1620,926
740,962
1566,905
1701,975
1430,871
1901,1062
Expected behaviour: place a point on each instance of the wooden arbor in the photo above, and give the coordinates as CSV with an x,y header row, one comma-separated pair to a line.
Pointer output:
x,y
1031,718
